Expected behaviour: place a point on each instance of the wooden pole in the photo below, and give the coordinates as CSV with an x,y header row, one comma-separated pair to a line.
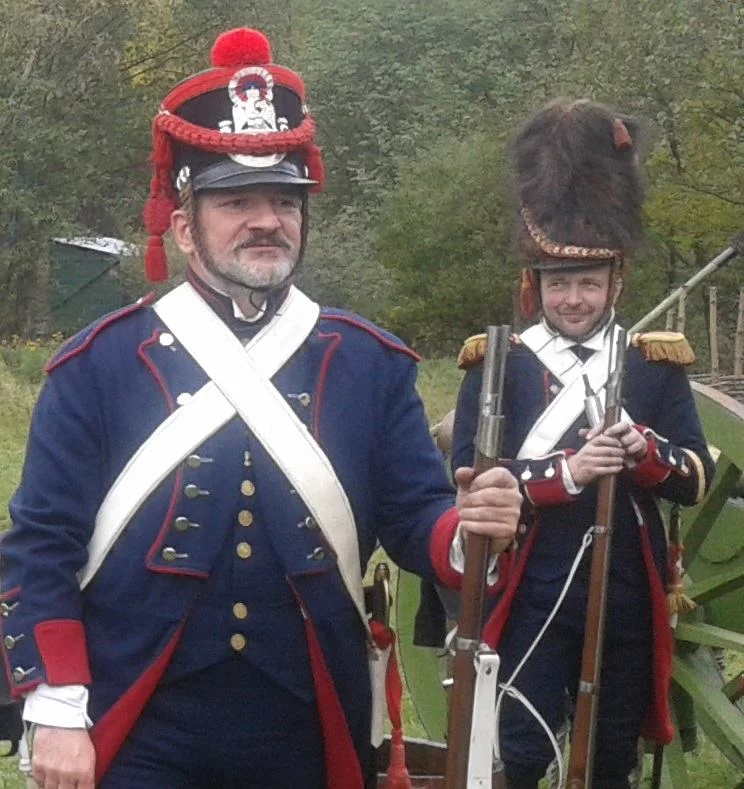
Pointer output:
x,y
739,340
713,307
681,313
669,319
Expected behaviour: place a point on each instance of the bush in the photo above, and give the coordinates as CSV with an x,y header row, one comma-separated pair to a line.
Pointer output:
x,y
25,359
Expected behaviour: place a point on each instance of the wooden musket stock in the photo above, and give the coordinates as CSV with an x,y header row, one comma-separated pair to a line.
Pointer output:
x,y
467,640
581,759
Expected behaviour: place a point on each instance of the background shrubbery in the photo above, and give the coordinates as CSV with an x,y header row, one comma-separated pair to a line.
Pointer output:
x,y
415,104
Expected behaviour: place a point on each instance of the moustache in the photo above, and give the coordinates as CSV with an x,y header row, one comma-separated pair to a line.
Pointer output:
x,y
263,240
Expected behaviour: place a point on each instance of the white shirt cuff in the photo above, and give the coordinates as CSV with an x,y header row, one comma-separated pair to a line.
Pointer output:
x,y
457,558
568,483
62,706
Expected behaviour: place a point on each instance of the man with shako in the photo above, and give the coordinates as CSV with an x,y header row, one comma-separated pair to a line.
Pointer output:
x,y
580,193
240,452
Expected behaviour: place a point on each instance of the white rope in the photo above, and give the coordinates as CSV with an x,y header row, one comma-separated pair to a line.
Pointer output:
x,y
515,694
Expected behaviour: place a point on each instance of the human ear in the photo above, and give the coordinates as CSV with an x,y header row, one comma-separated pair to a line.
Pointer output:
x,y
181,232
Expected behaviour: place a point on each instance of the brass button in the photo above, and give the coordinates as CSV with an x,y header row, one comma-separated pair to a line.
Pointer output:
x,y
247,461
240,611
20,673
9,642
7,608
244,550
183,524
196,461
192,491
303,398
237,642
317,555
247,488
245,517
171,554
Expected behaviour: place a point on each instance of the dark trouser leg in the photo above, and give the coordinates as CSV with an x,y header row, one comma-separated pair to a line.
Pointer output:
x,y
228,726
625,691
525,747
528,785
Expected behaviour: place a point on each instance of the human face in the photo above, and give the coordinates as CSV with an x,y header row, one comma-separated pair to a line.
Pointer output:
x,y
248,238
574,302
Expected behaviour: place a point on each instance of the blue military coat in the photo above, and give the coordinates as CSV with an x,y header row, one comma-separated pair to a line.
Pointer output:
x,y
224,526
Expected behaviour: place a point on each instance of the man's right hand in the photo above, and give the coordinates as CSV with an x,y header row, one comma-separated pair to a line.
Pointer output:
x,y
601,455
62,758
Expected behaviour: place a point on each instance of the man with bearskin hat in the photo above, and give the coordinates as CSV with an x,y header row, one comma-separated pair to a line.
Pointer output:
x,y
206,477
580,193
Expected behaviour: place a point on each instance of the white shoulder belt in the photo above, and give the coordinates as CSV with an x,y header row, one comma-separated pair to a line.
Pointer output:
x,y
568,404
239,384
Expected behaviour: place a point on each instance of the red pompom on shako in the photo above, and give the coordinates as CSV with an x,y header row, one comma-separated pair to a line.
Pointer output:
x,y
240,123
241,47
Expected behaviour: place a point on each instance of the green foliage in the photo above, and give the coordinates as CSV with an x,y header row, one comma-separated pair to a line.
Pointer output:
x,y
445,238
25,360
414,102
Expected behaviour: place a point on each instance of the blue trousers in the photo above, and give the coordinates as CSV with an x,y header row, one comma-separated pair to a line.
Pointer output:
x,y
228,726
550,680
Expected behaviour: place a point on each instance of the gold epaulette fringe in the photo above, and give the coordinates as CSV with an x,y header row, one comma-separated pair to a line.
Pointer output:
x,y
677,601
664,346
472,351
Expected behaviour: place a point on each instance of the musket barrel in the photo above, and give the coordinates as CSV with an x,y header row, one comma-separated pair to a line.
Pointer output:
x,y
487,451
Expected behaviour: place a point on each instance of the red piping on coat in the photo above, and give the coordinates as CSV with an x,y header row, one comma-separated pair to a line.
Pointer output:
x,y
335,339
122,313
377,335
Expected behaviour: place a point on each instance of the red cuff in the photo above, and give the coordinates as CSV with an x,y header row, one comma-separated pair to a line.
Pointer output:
x,y
544,491
61,645
651,470
439,548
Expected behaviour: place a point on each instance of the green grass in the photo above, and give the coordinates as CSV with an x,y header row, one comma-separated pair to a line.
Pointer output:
x,y
438,383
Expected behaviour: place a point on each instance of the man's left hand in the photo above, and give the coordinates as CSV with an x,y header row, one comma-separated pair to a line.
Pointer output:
x,y
489,504
634,443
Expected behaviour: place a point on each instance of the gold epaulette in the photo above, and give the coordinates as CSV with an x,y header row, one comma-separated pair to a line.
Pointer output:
x,y
474,349
664,346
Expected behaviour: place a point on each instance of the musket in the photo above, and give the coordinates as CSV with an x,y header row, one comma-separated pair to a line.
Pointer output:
x,y
581,758
467,641
728,254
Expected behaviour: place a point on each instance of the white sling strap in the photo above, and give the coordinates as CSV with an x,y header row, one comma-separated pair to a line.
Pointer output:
x,y
273,422
568,404
191,424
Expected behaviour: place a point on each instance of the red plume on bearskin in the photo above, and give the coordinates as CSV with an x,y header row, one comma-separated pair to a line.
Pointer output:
x,y
241,47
